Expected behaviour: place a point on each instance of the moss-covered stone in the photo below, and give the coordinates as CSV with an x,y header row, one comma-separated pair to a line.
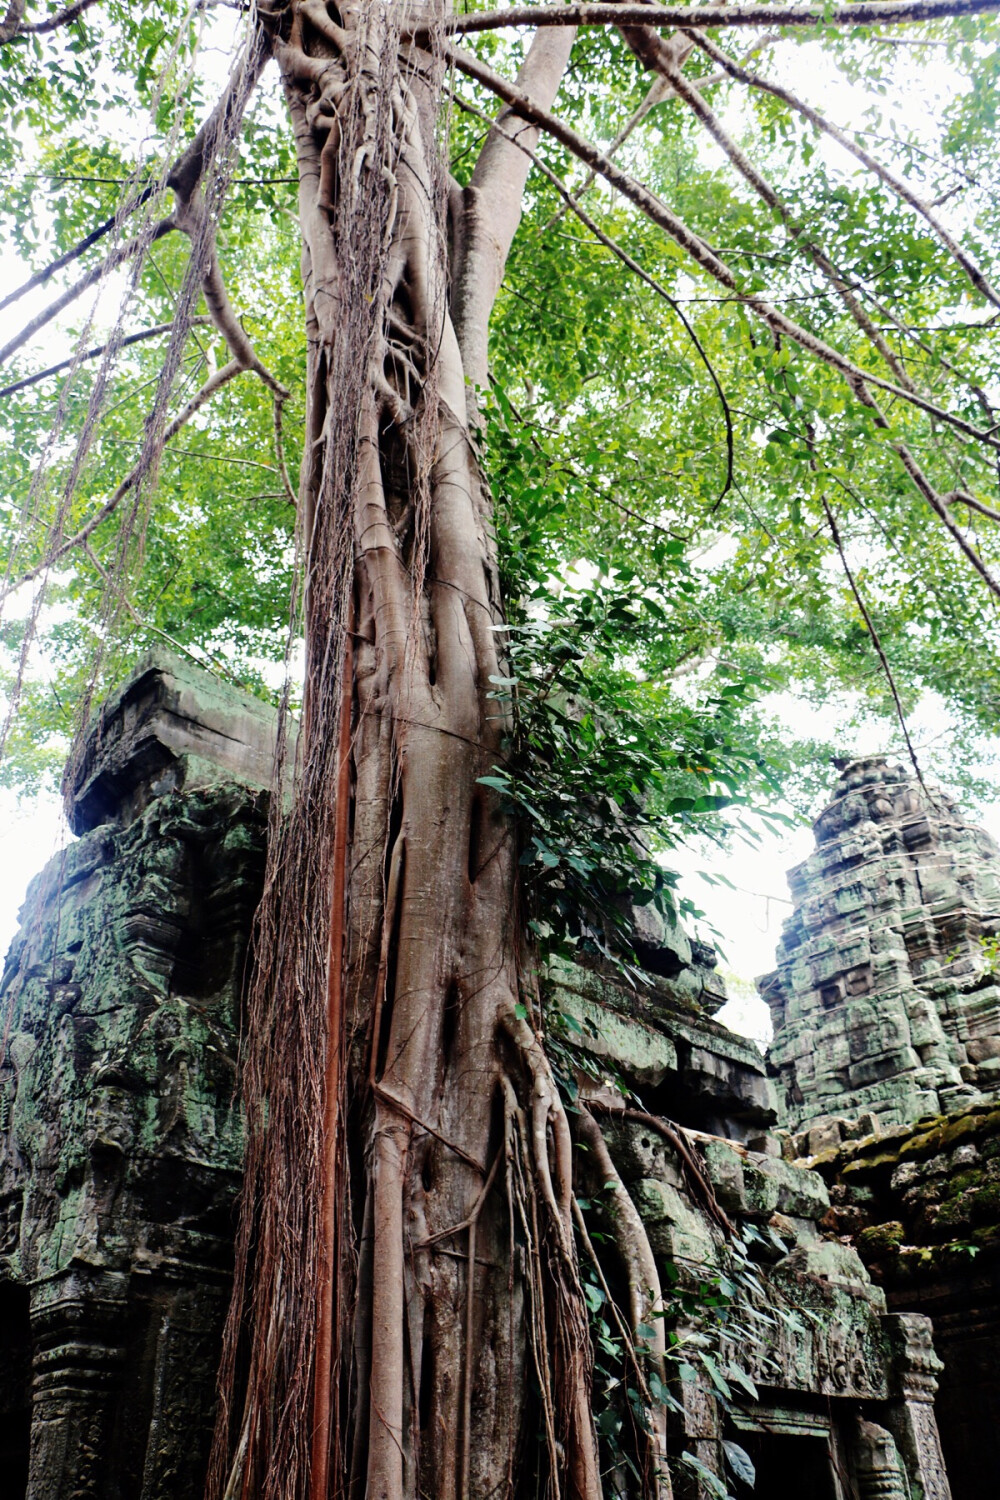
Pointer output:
x,y
878,1238
120,1131
880,1001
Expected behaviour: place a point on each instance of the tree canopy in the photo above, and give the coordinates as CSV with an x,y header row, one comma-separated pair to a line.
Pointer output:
x,y
695,511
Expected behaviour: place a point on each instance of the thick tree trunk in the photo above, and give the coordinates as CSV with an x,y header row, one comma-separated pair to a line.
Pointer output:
x,y
442,1235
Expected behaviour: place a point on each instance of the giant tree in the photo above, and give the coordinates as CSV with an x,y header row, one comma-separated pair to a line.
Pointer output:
x,y
408,1316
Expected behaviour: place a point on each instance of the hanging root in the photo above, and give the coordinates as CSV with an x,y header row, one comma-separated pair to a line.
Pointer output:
x,y
698,1183
560,1334
645,1297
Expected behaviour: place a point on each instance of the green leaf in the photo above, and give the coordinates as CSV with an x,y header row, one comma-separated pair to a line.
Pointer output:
x,y
740,1462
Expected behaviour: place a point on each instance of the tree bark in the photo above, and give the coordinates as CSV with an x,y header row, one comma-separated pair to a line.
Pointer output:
x,y
448,1149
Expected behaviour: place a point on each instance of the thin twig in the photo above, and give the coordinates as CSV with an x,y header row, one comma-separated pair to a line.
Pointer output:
x,y
217,661
214,383
279,450
110,263
793,227
876,642
660,90
76,359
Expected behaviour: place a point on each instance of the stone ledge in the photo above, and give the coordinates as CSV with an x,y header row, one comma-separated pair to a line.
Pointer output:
x,y
169,727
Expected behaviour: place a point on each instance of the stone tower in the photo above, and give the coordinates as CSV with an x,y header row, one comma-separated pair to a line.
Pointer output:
x,y
121,1137
884,998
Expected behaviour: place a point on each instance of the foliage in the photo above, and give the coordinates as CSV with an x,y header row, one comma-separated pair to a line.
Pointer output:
x,y
719,1321
605,437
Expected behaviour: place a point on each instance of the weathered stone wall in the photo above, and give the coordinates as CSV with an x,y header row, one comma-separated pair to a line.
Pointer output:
x,y
887,1058
120,1136
678,1059
921,1204
883,1001
845,1388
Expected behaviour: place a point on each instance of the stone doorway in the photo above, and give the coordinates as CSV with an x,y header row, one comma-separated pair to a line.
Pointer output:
x,y
789,1468
15,1390
793,1453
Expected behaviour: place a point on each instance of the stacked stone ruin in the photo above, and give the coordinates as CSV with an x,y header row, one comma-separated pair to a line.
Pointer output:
x,y
886,1054
884,1000
120,1134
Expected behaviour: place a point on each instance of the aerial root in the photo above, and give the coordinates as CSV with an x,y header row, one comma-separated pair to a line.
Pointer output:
x,y
561,1342
645,1297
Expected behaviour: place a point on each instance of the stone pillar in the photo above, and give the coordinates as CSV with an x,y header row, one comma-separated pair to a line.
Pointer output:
x,y
185,1335
77,1324
914,1372
702,1436
878,1466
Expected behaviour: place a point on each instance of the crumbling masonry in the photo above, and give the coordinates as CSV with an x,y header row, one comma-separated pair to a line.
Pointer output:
x,y
886,1052
120,1134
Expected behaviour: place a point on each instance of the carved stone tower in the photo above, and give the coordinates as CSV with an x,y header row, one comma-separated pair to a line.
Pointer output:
x,y
120,1133
884,1000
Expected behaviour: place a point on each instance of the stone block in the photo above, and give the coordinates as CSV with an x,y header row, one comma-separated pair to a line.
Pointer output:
x,y
639,1152
823,1135
169,727
980,1048
739,1090
642,1052
677,1231
724,1166
830,1261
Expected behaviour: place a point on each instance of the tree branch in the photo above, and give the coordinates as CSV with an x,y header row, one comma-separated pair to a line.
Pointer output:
x,y
140,243
794,228
41,277
962,497
491,205
937,502
575,207
865,13
11,23
193,218
61,18
214,383
702,253
894,183
873,633
659,91
133,338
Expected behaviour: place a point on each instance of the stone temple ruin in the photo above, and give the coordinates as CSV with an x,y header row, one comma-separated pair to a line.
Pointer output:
x,y
860,1173
886,1053
883,1006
